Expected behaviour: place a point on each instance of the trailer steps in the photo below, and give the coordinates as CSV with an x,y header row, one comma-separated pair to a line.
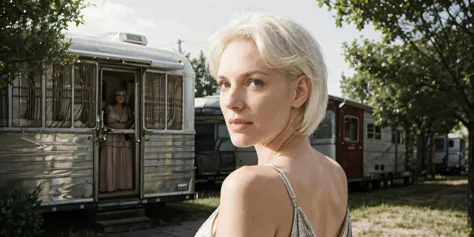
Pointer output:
x,y
123,219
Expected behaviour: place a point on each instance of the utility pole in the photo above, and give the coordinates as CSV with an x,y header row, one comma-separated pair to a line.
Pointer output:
x,y
179,46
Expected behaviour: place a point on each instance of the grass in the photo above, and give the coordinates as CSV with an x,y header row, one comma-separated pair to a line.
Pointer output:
x,y
188,210
431,208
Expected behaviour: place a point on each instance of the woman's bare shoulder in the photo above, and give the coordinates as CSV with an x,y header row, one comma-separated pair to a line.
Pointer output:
x,y
246,202
334,169
248,181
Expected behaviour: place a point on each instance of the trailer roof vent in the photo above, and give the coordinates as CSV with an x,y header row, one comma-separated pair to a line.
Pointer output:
x,y
125,37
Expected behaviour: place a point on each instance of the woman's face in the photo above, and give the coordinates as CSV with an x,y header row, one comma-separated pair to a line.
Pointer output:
x,y
255,99
120,97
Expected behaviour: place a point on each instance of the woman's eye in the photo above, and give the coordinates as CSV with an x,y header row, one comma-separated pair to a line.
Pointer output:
x,y
256,83
223,85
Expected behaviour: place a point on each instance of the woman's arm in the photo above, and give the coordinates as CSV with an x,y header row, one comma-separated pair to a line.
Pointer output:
x,y
112,122
245,206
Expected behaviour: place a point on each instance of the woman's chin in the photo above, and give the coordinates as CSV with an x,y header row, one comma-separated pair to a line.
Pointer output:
x,y
242,140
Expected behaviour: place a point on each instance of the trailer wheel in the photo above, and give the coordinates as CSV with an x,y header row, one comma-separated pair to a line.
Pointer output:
x,y
388,181
368,186
407,180
379,184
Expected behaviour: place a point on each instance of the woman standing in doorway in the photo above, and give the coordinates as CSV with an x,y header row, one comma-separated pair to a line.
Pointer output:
x,y
116,160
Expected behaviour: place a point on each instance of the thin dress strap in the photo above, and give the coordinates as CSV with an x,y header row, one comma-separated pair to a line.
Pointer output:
x,y
287,184
301,226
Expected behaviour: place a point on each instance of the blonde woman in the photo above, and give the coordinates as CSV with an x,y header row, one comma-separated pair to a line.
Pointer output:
x,y
273,94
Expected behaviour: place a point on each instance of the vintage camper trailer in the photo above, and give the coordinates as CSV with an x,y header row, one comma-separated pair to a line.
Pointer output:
x,y
53,124
449,155
369,154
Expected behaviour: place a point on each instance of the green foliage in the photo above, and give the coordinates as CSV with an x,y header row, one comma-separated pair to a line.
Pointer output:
x,y
19,213
32,33
438,33
205,83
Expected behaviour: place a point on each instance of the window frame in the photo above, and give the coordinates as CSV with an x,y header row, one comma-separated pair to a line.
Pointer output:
x,y
436,145
450,143
43,126
374,131
165,129
332,118
344,129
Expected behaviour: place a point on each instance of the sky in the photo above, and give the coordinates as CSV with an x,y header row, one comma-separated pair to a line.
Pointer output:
x,y
164,22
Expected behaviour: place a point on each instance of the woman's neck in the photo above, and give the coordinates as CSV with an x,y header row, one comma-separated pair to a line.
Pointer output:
x,y
284,145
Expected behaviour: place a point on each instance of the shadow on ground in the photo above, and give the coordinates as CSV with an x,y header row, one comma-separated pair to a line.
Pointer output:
x,y
69,224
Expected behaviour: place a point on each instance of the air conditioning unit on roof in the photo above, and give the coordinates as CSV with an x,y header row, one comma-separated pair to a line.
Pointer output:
x,y
125,37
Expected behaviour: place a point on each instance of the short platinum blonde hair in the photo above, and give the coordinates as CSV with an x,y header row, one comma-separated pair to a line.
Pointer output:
x,y
283,45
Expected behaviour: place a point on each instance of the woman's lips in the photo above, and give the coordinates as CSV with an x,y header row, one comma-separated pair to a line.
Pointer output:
x,y
238,125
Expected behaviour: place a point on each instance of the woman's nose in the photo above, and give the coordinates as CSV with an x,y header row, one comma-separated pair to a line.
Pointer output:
x,y
232,99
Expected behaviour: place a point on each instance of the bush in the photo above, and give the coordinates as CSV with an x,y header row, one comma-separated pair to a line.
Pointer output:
x,y
19,213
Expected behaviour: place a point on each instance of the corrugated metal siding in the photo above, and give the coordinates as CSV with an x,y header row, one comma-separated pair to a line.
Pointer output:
x,y
62,162
168,161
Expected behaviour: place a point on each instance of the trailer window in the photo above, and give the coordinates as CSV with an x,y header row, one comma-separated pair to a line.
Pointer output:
x,y
401,137
378,132
155,99
222,131
398,136
163,101
205,140
451,143
60,83
370,130
325,129
4,105
85,78
374,131
58,96
175,102
351,129
439,144
26,104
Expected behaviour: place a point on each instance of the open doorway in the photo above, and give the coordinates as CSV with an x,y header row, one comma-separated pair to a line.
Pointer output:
x,y
117,155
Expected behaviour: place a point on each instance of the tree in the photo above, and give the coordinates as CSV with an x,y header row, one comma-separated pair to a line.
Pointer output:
x,y
33,34
205,83
446,28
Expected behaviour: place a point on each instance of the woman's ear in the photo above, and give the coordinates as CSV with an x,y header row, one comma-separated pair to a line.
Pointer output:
x,y
302,87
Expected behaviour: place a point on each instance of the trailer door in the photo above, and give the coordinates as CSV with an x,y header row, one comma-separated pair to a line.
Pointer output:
x,y
167,166
351,142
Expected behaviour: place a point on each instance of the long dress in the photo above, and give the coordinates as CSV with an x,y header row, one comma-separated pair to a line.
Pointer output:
x,y
116,159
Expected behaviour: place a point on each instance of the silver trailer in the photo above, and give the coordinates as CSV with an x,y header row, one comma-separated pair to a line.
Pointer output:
x,y
52,124
450,151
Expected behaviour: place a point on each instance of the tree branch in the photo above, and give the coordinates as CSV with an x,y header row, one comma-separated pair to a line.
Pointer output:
x,y
463,26
438,49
